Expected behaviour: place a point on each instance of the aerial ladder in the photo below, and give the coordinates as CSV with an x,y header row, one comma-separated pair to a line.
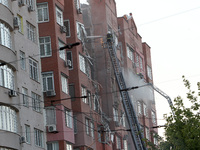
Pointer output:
x,y
136,133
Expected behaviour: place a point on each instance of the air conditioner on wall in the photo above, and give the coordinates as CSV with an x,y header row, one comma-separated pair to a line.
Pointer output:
x,y
22,139
50,93
79,11
68,63
12,93
21,3
16,22
52,128
63,29
30,8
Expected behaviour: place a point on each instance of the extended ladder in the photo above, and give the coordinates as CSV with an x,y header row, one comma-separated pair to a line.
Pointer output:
x,y
129,110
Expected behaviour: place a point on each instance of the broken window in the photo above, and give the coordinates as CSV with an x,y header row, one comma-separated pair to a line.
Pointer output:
x,y
81,33
67,25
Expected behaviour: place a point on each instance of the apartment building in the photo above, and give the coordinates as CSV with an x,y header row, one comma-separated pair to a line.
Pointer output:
x,y
21,99
137,67
55,74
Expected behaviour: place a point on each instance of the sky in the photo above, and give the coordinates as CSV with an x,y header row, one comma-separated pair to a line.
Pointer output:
x,y
172,29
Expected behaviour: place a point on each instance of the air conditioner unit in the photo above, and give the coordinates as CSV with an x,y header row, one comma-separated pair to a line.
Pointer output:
x,y
22,139
63,29
52,128
21,3
68,63
30,8
50,93
16,22
12,93
79,11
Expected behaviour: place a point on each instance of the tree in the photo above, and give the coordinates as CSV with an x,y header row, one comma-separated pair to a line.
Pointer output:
x,y
182,130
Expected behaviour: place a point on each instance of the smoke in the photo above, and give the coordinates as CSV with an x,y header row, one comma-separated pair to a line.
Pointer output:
x,y
84,2
144,93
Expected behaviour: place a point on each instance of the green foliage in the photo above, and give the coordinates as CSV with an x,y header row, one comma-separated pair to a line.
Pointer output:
x,y
182,130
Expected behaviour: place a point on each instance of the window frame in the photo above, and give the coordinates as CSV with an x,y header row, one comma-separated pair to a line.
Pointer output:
x,y
43,12
64,83
68,118
33,69
25,97
45,79
36,102
39,137
22,60
28,133
82,63
59,20
45,46
31,32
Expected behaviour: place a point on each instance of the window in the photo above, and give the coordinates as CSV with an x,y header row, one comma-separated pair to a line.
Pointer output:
x,y
130,53
70,59
59,16
92,129
137,60
125,145
122,120
81,33
99,133
52,146
64,84
61,52
115,114
87,126
67,25
82,63
45,46
31,32
155,139
89,99
139,106
68,118
22,60
145,111
8,119
20,22
28,134
4,2
68,146
33,66
72,92
141,63
30,3
149,72
25,96
48,82
83,93
153,115
38,138
5,36
75,125
42,11
77,4
96,104
50,115
147,133
36,102
118,142
6,77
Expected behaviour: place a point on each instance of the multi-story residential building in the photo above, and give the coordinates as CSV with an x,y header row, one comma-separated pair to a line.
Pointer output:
x,y
55,74
136,63
21,99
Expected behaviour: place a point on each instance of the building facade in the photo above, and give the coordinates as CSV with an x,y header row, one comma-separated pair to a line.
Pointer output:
x,y
21,99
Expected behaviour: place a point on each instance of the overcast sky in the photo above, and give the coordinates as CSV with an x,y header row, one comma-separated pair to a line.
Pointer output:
x,y
172,30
